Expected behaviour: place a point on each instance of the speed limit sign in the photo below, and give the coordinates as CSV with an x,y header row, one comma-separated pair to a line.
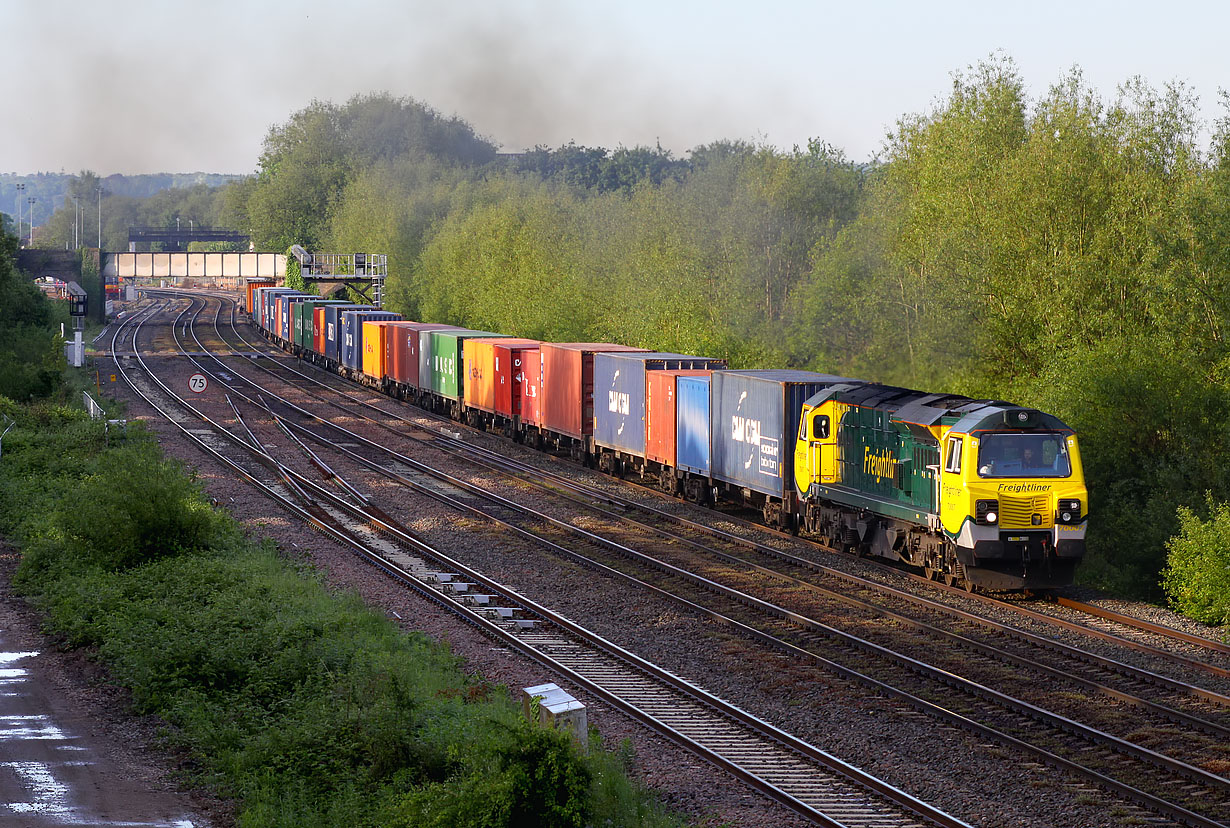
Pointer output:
x,y
197,383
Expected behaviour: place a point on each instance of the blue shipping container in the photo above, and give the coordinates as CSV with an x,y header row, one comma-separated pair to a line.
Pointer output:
x,y
268,306
352,333
333,329
619,394
753,420
692,424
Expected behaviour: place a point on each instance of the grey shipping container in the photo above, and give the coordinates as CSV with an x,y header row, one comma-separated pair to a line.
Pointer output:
x,y
753,420
692,424
619,394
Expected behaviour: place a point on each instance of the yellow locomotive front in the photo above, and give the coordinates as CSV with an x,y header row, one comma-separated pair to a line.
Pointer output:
x,y
1013,498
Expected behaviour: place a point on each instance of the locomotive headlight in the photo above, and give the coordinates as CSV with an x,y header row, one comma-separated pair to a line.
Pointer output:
x,y
986,512
1069,511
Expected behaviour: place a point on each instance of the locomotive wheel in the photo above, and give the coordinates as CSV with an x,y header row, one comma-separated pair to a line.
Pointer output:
x,y
950,578
931,574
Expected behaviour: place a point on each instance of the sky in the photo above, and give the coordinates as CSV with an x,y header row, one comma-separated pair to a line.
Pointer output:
x,y
143,86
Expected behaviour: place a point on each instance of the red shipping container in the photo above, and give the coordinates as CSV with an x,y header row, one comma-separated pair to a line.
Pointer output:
x,y
567,402
660,413
402,350
492,367
531,388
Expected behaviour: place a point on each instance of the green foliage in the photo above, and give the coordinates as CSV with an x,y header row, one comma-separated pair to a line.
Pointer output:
x,y
308,162
531,776
294,275
1067,255
306,707
31,357
1197,574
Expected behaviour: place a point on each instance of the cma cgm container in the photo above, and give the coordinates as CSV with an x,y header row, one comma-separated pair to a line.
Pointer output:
x,y
692,424
493,369
662,413
619,394
401,345
333,329
448,359
352,334
249,288
375,348
567,403
753,419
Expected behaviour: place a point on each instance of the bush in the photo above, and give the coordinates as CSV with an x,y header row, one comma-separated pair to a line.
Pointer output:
x,y
1197,574
529,777
305,706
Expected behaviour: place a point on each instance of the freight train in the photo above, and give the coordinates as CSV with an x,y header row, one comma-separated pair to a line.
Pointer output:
x,y
980,493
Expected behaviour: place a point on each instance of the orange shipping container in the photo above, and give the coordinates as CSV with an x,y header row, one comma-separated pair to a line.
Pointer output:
x,y
491,367
249,288
374,352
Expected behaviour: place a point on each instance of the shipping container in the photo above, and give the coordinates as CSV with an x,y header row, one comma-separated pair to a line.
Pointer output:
x,y
402,350
351,348
531,388
754,416
448,359
333,329
619,391
375,348
286,328
260,299
250,287
492,373
661,413
268,307
567,369
304,315
692,424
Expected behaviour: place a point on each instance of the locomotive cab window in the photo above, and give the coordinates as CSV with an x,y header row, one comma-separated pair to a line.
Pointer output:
x,y
953,465
1037,454
820,427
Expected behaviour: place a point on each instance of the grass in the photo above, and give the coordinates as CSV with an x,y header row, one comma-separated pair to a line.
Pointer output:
x,y
303,705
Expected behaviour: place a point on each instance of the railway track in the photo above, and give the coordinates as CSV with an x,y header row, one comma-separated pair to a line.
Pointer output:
x,y
793,772
1182,814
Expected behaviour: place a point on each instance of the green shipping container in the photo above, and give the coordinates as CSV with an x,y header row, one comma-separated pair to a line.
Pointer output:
x,y
447,360
301,319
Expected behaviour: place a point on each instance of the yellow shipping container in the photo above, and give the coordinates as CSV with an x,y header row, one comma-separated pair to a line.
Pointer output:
x,y
480,378
374,352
